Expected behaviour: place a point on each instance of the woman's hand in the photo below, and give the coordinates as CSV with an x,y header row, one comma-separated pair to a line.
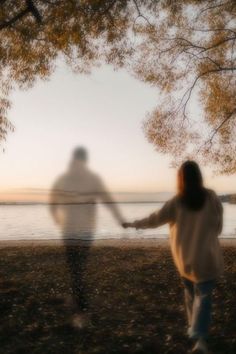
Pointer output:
x,y
125,225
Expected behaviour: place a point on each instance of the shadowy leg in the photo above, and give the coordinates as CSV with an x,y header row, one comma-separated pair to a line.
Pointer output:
x,y
76,257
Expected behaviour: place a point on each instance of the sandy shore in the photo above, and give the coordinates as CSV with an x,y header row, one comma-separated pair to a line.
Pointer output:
x,y
133,243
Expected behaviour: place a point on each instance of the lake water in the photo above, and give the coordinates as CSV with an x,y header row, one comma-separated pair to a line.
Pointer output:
x,y
34,222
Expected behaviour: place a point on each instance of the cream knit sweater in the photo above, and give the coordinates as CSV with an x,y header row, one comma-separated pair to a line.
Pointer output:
x,y
193,236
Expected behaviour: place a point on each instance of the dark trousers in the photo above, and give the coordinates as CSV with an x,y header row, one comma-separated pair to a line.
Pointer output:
x,y
76,257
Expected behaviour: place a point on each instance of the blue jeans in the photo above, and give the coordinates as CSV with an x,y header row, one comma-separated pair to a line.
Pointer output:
x,y
198,302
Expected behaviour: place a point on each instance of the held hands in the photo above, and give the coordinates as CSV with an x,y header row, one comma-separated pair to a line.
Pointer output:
x,y
125,225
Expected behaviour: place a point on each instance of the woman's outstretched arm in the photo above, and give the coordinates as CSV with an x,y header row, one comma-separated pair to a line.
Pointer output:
x,y
163,216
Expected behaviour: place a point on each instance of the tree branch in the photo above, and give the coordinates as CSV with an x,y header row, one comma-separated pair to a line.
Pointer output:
x,y
14,19
216,130
34,11
140,13
31,8
188,93
211,30
202,49
229,116
211,8
218,44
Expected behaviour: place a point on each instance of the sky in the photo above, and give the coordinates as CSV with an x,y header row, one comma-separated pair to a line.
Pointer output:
x,y
103,112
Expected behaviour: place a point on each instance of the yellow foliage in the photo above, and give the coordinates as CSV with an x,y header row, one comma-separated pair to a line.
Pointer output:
x,y
184,48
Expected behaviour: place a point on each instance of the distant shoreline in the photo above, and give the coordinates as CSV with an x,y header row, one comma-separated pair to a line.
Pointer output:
x,y
133,243
98,203
44,203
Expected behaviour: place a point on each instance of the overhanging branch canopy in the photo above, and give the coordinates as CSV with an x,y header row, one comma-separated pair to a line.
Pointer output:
x,y
185,48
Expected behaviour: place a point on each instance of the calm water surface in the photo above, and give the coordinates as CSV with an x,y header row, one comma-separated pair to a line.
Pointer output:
x,y
29,222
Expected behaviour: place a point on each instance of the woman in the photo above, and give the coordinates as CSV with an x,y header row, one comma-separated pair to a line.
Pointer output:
x,y
195,218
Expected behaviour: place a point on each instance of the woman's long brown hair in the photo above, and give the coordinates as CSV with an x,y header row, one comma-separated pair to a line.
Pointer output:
x,y
190,186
